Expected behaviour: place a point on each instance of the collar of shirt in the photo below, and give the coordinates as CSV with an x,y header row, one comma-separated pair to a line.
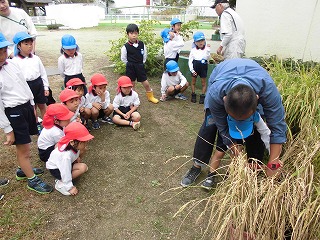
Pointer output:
x,y
21,56
123,95
5,63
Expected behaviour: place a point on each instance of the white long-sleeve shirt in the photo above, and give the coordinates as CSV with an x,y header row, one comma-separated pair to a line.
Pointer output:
x,y
49,137
167,81
70,65
198,54
14,91
172,47
63,161
124,57
264,131
126,101
32,68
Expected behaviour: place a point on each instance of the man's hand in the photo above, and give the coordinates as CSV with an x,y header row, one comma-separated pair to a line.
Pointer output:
x,y
219,50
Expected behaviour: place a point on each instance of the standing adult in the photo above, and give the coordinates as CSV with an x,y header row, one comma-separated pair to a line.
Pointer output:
x,y
233,43
13,20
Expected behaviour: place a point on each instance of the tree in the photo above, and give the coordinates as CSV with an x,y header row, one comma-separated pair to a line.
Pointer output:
x,y
176,3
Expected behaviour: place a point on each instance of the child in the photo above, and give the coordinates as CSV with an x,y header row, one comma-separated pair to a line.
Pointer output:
x,y
126,103
71,100
134,55
98,99
198,64
173,83
64,163
55,119
70,63
17,117
173,42
77,85
32,69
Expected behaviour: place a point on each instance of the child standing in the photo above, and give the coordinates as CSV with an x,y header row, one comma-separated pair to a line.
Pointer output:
x,y
17,117
98,99
70,63
71,100
134,55
198,64
32,69
78,86
64,163
55,119
173,42
173,83
126,103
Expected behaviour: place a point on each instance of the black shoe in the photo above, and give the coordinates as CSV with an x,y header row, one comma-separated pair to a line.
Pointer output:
x,y
4,181
21,176
39,186
190,177
208,183
193,97
202,96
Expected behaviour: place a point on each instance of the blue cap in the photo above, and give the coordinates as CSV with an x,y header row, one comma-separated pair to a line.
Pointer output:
x,y
174,21
241,129
68,42
4,42
165,35
20,36
172,66
198,36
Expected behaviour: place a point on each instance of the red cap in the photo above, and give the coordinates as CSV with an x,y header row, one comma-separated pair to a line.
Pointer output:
x,y
56,111
98,79
67,94
74,82
124,81
74,131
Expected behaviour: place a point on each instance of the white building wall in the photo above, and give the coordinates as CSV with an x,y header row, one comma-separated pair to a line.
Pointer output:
x,y
287,28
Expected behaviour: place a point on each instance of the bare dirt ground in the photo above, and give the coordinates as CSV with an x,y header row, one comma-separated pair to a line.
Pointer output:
x,y
124,195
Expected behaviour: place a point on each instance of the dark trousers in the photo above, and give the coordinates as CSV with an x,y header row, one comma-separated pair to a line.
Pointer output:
x,y
206,138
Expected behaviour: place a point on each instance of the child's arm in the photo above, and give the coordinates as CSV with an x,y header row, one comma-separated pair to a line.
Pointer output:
x,y
124,55
163,85
44,78
190,63
264,131
144,54
177,43
183,80
61,66
208,51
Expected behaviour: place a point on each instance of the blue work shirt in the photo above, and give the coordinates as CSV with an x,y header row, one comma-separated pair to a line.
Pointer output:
x,y
232,72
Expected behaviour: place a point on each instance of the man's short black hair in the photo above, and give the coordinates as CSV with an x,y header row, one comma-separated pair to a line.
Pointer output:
x,y
241,100
132,28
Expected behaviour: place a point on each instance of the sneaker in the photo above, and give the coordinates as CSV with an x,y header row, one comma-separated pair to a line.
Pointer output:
x,y
180,96
208,183
136,125
39,186
95,125
4,181
39,128
202,96
106,119
193,97
61,188
21,176
1,196
190,177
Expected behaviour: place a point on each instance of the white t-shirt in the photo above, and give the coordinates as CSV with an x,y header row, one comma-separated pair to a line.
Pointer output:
x,y
126,101
167,81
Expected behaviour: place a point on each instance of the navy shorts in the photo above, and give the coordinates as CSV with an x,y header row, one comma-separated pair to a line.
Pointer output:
x,y
37,90
200,68
136,71
123,110
23,122
45,154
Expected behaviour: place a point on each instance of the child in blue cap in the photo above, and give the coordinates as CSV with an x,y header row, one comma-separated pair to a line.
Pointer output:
x,y
172,45
70,63
32,69
17,117
173,83
198,65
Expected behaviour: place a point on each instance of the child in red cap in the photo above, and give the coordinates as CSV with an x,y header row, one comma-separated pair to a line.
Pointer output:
x,y
98,99
78,86
71,100
55,119
126,103
64,162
